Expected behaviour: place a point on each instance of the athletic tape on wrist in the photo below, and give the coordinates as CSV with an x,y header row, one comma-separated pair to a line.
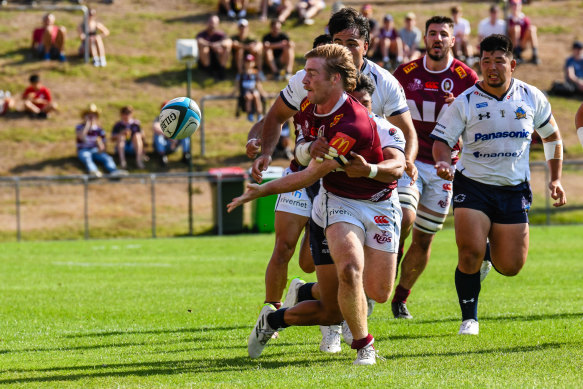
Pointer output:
x,y
303,153
553,150
251,140
374,169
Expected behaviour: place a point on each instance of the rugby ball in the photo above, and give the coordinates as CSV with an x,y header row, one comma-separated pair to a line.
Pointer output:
x,y
180,118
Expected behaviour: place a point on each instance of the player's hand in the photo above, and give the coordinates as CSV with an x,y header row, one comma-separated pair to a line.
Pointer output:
x,y
357,166
558,193
319,148
449,98
253,192
444,170
259,165
411,171
253,148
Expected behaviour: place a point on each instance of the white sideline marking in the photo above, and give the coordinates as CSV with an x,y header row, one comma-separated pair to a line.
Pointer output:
x,y
106,264
116,247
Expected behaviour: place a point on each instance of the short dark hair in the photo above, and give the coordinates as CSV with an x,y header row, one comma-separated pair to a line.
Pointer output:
x,y
497,42
349,18
127,110
438,20
323,39
33,79
364,84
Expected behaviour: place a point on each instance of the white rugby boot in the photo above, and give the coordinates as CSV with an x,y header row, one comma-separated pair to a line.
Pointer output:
x,y
366,356
469,327
346,333
291,298
261,333
330,338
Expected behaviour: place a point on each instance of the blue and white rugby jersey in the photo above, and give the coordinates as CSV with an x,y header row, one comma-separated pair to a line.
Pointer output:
x,y
388,98
389,135
496,132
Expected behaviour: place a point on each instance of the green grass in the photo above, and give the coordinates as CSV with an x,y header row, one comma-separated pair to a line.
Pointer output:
x,y
177,312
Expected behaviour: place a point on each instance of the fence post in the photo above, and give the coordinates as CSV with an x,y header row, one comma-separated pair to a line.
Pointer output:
x,y
153,198
219,203
201,128
86,204
17,199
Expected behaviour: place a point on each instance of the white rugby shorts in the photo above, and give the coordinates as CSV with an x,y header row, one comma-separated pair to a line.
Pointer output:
x,y
434,192
297,202
380,221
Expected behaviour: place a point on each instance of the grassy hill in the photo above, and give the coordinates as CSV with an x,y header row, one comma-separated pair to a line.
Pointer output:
x,y
143,71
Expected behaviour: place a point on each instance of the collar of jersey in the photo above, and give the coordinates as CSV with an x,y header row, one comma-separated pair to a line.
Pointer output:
x,y
496,97
341,101
436,71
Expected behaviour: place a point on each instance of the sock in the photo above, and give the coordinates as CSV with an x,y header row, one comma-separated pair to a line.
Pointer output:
x,y
468,288
276,304
401,294
535,52
360,343
305,292
487,256
275,319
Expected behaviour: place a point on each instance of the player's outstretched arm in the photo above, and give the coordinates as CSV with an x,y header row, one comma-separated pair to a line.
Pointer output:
x,y
553,148
253,146
387,171
442,156
405,123
277,115
289,183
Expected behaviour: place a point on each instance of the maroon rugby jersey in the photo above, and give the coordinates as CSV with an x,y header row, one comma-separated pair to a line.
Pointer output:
x,y
425,92
348,128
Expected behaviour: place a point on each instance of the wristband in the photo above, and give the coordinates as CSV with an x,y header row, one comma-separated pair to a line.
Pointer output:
x,y
303,153
580,134
251,140
374,169
553,150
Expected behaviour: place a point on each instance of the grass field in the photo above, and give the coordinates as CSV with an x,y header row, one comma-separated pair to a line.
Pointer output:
x,y
177,313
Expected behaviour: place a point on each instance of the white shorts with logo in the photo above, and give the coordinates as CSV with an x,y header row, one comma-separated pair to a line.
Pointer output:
x,y
434,192
297,202
380,221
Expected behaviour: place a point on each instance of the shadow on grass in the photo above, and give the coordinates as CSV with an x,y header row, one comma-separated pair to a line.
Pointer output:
x,y
159,331
65,163
177,77
547,316
191,19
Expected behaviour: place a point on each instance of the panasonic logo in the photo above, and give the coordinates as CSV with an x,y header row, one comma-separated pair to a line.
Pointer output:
x,y
501,134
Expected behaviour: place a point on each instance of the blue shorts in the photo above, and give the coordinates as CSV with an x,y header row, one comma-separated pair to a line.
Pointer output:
x,y
502,204
319,245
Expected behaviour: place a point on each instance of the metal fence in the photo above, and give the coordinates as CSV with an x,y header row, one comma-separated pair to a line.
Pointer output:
x,y
156,205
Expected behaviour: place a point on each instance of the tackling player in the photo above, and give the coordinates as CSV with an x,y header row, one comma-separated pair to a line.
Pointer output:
x,y
491,193
430,83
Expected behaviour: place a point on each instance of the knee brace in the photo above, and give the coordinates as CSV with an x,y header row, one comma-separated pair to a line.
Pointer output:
x,y
409,198
428,223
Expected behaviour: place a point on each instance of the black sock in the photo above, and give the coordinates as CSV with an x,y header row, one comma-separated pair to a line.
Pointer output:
x,y
468,288
487,256
305,292
275,319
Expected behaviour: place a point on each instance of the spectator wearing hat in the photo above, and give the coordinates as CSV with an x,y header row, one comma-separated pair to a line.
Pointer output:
x,y
522,32
164,146
462,48
38,101
278,9
492,24
128,138
244,43
214,48
411,37
279,51
390,44
48,41
91,144
574,68
250,90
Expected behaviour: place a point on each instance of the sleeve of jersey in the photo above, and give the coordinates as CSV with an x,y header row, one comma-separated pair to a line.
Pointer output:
x,y
389,135
293,94
544,123
396,103
452,123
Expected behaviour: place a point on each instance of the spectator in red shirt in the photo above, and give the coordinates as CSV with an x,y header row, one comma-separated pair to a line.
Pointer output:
x,y
522,32
38,101
48,41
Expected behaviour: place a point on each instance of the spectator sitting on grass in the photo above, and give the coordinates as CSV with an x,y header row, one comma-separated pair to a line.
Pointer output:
x,y
48,41
214,48
462,49
411,37
574,68
128,138
308,9
279,9
279,51
233,9
492,24
522,32
38,101
244,44
164,146
91,144
94,32
251,90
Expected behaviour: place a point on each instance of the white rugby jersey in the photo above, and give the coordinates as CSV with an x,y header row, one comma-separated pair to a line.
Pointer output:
x,y
389,135
496,132
388,98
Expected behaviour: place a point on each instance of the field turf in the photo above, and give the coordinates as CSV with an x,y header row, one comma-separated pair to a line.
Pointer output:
x,y
177,313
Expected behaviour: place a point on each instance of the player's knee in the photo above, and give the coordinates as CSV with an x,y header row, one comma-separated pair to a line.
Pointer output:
x,y
509,269
379,294
350,274
283,251
429,223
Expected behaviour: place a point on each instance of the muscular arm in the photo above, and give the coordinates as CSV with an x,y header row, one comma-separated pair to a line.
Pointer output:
x,y
442,156
405,123
555,169
389,170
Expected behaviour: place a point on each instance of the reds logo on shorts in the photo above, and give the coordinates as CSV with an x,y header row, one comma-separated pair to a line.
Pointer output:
x,y
382,220
383,238
447,187
443,203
